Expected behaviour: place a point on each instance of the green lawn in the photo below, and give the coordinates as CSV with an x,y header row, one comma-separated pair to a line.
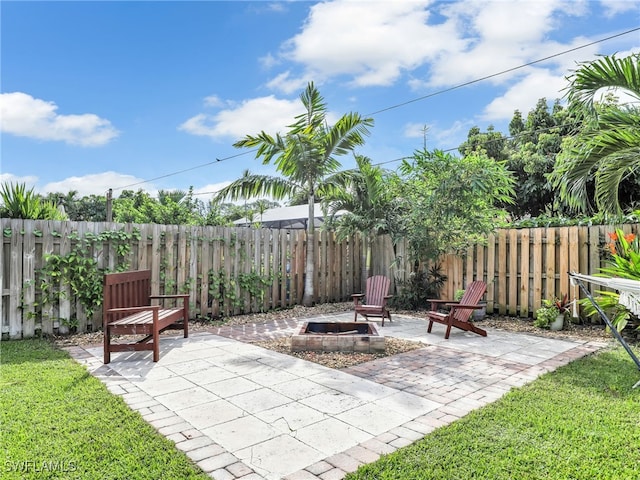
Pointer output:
x,y
57,421
580,422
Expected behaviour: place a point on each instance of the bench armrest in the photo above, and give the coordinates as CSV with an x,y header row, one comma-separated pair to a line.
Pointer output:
x,y
134,309
181,295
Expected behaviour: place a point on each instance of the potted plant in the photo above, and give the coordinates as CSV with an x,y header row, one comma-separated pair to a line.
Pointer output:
x,y
553,313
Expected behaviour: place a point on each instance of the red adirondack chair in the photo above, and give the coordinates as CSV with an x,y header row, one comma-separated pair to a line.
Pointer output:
x,y
459,314
375,298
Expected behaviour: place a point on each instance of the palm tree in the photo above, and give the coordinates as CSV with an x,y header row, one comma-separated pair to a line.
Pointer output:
x,y
362,203
304,157
608,150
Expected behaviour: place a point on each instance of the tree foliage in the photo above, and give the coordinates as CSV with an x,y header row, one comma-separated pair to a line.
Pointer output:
x,y
444,203
172,208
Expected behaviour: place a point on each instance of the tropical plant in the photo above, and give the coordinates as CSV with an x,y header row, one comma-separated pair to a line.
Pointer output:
x,y
18,202
421,285
623,262
359,205
304,157
608,150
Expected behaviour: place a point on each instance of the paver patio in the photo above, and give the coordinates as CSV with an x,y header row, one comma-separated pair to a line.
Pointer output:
x,y
243,412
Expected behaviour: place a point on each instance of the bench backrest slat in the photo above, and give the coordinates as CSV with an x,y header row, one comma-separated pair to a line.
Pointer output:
x,y
126,289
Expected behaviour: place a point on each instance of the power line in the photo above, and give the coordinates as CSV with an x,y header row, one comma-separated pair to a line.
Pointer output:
x,y
217,160
424,97
471,82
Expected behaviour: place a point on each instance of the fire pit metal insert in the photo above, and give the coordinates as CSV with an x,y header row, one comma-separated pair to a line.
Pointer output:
x,y
361,337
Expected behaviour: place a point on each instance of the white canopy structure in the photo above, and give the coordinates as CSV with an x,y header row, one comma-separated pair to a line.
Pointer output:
x,y
629,297
629,289
295,217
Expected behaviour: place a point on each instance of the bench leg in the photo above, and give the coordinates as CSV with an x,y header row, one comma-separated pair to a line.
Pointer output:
x,y
107,343
156,339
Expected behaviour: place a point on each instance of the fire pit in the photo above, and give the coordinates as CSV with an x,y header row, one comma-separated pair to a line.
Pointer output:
x,y
359,337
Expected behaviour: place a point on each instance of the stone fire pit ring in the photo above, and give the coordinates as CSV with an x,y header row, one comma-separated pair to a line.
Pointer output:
x,y
360,337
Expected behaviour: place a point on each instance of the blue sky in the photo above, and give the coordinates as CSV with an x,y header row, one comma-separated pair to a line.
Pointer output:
x,y
99,95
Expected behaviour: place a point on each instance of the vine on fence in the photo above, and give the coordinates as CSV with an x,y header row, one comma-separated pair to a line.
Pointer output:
x,y
228,292
79,270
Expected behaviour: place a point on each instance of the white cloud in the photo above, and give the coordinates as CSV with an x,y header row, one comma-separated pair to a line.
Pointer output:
x,y
615,7
206,192
373,42
29,180
248,118
417,130
98,184
25,116
213,101
287,83
500,36
439,44
524,94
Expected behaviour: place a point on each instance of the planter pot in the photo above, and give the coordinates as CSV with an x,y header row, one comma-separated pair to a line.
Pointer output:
x,y
480,313
557,324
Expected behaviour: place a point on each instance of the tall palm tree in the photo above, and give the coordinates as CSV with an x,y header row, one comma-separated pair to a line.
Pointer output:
x,y
304,157
608,149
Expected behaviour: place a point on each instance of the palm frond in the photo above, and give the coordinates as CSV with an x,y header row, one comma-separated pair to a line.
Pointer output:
x,y
606,72
257,186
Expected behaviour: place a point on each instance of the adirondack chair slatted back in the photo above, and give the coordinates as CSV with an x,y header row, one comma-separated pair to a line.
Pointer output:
x,y
126,289
377,289
472,295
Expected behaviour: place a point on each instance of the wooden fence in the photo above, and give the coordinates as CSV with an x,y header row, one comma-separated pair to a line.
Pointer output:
x,y
228,271
524,266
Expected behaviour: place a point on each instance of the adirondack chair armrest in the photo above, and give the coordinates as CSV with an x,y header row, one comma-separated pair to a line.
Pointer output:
x,y
460,306
435,302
